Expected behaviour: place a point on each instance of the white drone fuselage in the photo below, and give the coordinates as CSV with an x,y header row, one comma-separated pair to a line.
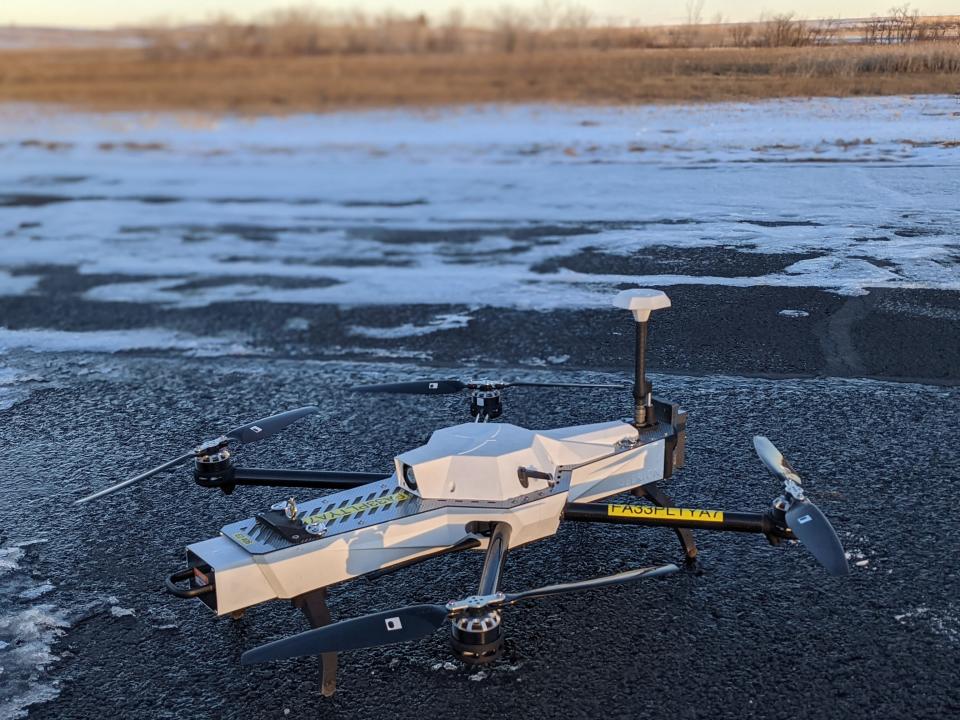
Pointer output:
x,y
451,489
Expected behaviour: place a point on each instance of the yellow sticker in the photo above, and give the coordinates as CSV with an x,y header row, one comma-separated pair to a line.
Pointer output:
x,y
398,496
665,513
243,538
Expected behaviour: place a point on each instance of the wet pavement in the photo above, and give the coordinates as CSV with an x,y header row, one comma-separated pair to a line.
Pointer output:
x,y
158,291
761,630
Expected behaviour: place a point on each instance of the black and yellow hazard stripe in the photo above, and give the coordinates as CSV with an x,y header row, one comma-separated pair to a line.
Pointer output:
x,y
653,515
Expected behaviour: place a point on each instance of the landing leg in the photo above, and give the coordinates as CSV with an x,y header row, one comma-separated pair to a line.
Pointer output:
x,y
478,637
653,493
314,606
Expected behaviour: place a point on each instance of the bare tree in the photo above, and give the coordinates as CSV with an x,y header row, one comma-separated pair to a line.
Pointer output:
x,y
510,28
741,34
694,12
904,23
451,36
783,30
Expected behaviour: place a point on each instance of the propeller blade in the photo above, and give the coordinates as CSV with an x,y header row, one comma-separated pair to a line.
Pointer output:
x,y
266,427
774,460
417,621
142,476
617,579
391,626
251,432
567,385
419,387
811,527
805,520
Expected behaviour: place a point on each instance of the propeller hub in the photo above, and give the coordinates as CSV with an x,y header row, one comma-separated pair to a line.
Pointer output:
x,y
213,463
477,638
793,489
475,602
210,447
486,402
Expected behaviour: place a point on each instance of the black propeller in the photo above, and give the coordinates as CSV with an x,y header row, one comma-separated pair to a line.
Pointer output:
x,y
418,621
251,432
450,386
805,520
419,387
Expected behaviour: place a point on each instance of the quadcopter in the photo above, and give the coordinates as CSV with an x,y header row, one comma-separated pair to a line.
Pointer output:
x,y
483,485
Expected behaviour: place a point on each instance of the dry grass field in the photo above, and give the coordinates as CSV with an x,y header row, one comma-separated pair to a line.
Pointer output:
x,y
118,79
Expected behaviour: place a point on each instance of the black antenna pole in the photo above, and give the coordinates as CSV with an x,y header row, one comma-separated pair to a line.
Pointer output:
x,y
641,302
642,390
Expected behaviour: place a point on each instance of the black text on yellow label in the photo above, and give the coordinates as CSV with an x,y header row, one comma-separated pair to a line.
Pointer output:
x,y
665,513
357,507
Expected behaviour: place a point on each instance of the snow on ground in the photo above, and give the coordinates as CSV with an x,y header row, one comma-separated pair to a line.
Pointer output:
x,y
23,368
27,634
479,204
111,341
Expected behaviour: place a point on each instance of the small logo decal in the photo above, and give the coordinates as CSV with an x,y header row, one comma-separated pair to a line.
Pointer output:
x,y
256,429
432,386
804,519
393,624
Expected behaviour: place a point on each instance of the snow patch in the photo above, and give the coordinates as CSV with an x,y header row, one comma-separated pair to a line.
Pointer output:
x,y
36,592
297,324
113,341
16,284
945,623
794,313
512,192
27,635
385,353
440,322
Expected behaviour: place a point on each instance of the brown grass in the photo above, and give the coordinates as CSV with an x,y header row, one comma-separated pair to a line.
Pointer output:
x,y
130,80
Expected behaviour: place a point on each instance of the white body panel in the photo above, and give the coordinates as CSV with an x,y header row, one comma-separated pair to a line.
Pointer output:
x,y
473,467
243,579
479,461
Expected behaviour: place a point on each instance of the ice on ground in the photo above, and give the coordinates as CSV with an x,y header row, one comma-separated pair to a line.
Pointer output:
x,y
794,313
384,353
9,559
440,322
297,324
36,592
945,623
16,284
24,371
484,205
29,636
119,612
27,633
112,341
14,385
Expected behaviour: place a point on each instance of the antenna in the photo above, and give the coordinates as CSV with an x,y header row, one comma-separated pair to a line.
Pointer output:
x,y
641,302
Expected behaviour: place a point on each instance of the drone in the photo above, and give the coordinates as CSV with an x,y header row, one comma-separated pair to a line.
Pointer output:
x,y
481,486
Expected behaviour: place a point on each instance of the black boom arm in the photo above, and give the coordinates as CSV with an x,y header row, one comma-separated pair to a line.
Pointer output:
x,y
228,478
673,517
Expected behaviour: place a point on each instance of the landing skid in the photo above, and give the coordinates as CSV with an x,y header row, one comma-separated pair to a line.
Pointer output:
x,y
655,494
314,606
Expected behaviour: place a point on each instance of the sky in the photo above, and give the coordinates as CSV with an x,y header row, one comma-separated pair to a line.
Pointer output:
x,y
109,13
